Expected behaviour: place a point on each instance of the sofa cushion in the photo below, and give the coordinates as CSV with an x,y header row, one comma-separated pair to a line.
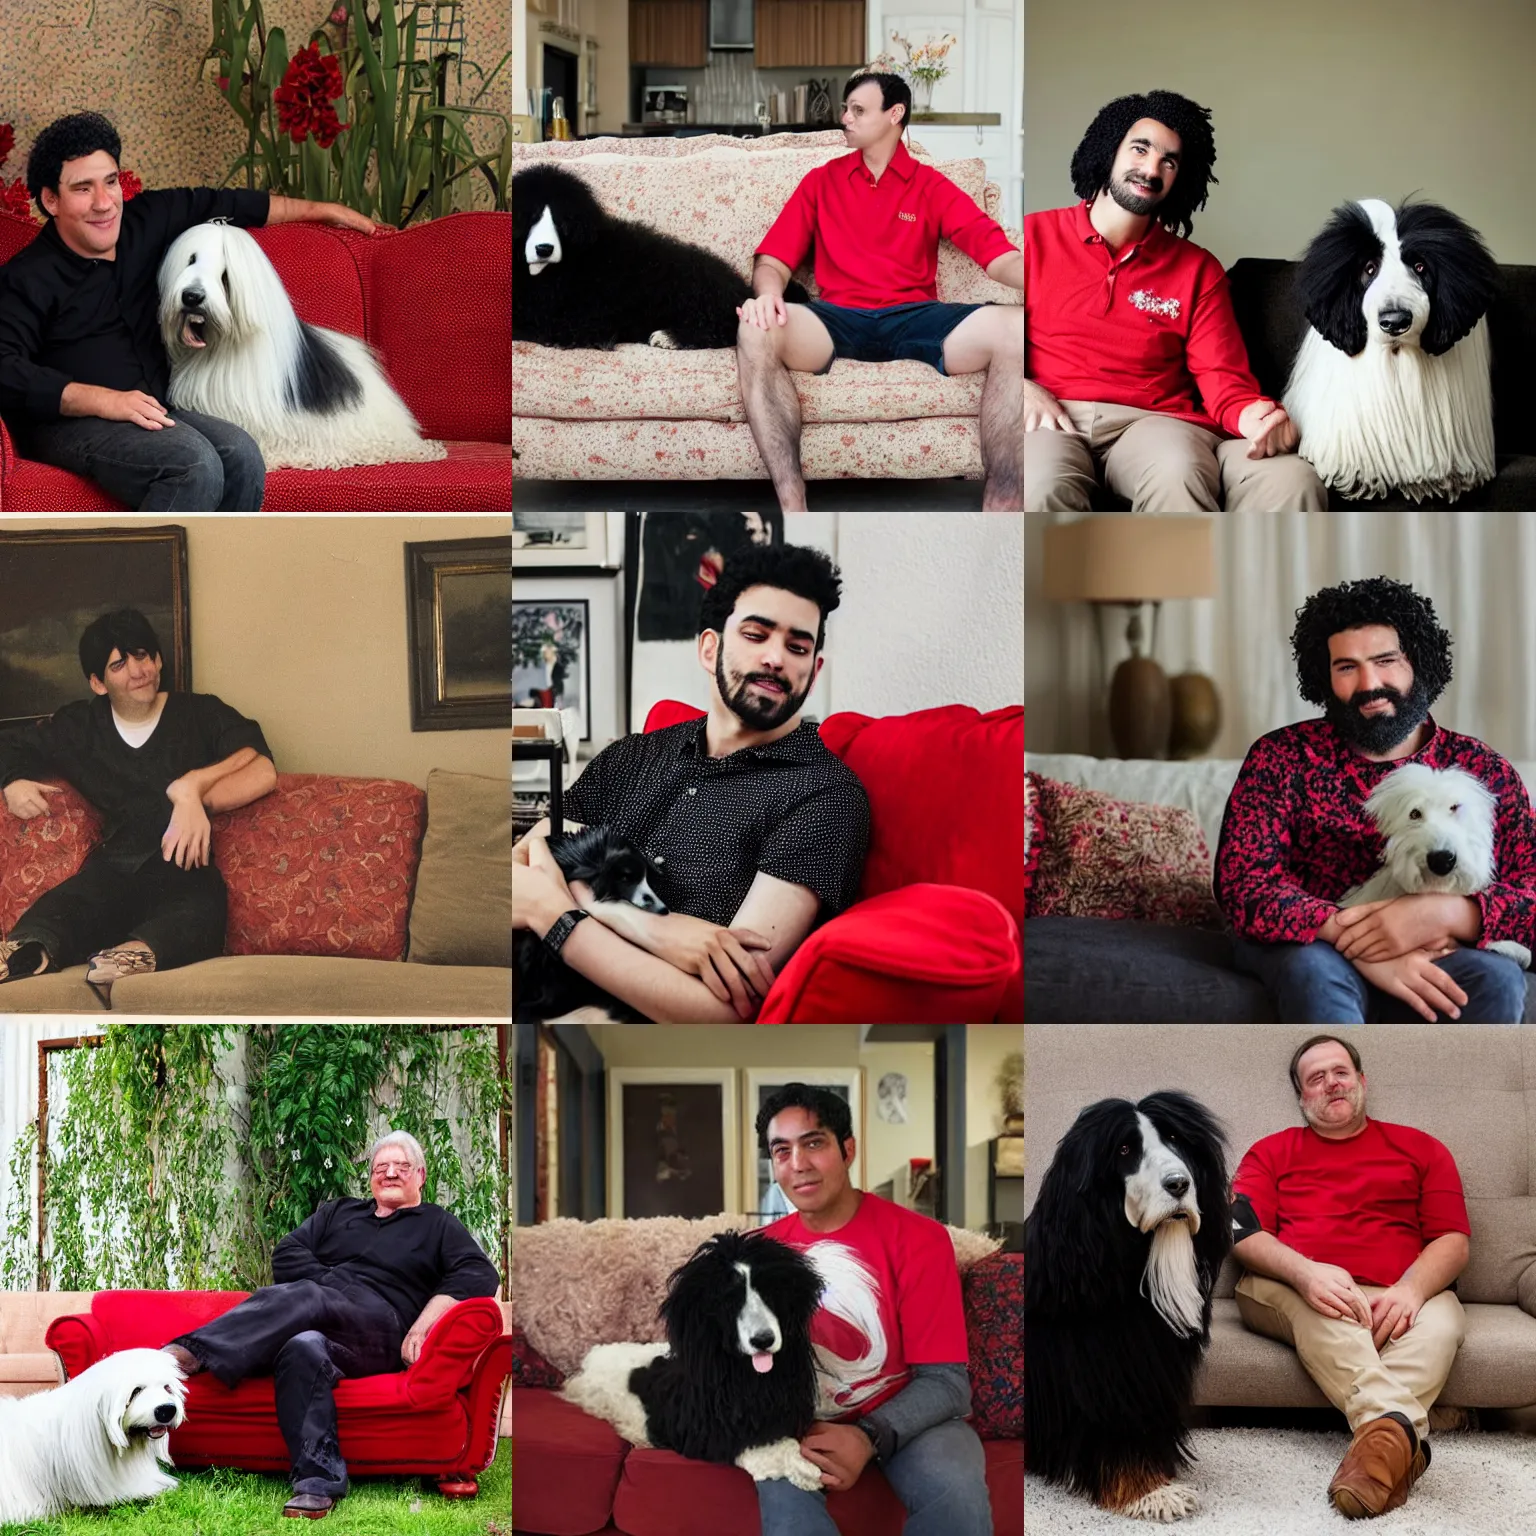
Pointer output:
x,y
993,1293
36,855
566,1469
462,912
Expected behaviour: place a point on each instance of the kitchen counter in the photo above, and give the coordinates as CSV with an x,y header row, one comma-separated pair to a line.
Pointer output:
x,y
738,130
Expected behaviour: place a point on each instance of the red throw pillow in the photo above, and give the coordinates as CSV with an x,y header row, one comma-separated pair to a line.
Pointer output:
x,y
1102,857
37,855
993,1291
529,1367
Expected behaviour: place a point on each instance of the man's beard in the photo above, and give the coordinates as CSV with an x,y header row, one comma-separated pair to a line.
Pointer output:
x,y
1379,733
1356,1098
757,711
1132,199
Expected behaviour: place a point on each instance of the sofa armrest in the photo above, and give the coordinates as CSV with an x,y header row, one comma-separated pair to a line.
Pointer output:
x,y
939,953
7,461
79,1340
448,1358
492,1378
1525,1290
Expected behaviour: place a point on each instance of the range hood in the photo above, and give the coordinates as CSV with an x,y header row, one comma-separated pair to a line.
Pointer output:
x,y
730,25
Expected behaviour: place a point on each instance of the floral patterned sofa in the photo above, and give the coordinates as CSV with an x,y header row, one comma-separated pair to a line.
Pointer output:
x,y
333,883
637,413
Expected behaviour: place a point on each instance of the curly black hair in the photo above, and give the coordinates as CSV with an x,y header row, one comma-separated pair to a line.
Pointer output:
x,y
67,138
832,1112
808,573
1354,604
1094,158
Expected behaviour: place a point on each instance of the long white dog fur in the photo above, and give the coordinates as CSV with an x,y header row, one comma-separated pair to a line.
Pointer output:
x,y
312,398
92,1442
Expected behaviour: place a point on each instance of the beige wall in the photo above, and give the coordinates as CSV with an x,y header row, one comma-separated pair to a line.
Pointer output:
x,y
1313,103
888,1148
985,1047
301,623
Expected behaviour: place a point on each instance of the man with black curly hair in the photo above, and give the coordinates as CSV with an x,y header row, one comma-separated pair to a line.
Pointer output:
x,y
84,378
1295,837
755,831
1135,371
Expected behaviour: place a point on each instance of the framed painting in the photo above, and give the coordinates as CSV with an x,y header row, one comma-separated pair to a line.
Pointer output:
x,y
761,1196
672,1142
458,592
55,581
568,649
567,541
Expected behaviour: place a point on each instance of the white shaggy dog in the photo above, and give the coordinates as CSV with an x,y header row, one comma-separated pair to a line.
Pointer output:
x,y
1438,823
97,1440
1391,387
312,398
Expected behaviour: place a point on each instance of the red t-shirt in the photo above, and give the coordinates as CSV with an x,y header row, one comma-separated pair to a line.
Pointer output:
x,y
1148,327
877,242
1370,1204
892,1301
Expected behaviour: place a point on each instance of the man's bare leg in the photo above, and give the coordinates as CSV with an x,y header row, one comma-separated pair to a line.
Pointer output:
x,y
993,338
763,360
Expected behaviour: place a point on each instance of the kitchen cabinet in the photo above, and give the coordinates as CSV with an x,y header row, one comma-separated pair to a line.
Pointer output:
x,y
820,34
671,32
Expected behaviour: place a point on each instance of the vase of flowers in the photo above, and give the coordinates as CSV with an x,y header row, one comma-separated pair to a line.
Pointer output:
x,y
921,67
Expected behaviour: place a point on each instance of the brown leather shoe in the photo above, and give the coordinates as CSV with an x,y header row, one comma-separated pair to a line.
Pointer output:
x,y
308,1506
1383,1462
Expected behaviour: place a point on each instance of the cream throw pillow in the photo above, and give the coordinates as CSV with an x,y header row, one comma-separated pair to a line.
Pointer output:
x,y
462,913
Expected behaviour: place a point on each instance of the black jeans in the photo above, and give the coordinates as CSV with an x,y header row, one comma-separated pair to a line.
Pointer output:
x,y
201,464
179,913
307,1336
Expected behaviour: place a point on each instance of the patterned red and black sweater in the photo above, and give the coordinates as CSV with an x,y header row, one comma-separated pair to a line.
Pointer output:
x,y
1295,837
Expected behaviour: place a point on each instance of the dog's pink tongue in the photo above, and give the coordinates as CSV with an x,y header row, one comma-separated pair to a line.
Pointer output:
x,y
762,1362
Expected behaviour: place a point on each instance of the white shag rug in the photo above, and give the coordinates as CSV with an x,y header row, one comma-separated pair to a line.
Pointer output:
x,y
1274,1482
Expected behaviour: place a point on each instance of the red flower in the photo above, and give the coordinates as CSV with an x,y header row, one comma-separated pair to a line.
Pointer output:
x,y
15,199
311,83
7,141
130,184
338,14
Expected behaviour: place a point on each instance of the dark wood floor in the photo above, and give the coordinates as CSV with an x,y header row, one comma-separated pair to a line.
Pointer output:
x,y
744,495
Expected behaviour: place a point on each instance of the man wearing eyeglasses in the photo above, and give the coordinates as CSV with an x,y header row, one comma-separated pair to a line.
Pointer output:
x,y
344,1283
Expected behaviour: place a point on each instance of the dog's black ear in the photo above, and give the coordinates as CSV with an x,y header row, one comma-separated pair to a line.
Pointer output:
x,y
1329,283
1460,273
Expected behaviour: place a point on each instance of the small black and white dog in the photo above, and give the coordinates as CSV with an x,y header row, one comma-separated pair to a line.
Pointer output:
x,y
588,279
1391,388
543,985
736,1380
1121,1252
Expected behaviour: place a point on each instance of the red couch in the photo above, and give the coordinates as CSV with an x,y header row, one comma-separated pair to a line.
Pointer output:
x,y
437,1418
435,302
573,1476
934,936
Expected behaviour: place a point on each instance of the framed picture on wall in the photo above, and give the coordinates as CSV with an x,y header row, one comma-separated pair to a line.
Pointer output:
x,y
56,581
760,1194
672,1141
568,541
457,591
568,650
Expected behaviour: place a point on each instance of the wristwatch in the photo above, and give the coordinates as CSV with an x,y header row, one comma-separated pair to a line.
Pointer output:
x,y
560,929
872,1433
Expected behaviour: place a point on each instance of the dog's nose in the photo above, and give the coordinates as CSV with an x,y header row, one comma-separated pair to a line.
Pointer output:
x,y
762,1339
1441,861
192,298
165,1412
543,251
1177,1184
1394,321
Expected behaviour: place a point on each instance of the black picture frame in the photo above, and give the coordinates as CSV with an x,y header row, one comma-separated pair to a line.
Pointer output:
x,y
579,609
461,679
54,581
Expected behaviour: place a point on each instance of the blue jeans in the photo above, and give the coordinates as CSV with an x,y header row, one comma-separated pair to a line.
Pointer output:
x,y
1315,984
940,1475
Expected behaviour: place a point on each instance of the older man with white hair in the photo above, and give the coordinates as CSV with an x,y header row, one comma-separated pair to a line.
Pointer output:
x,y
344,1285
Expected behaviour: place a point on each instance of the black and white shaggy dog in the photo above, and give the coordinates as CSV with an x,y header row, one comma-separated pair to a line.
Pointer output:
x,y
736,1380
1391,388
544,986
587,279
1121,1252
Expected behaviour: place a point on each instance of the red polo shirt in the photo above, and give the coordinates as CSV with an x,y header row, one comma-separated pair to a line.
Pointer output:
x,y
1152,327
877,242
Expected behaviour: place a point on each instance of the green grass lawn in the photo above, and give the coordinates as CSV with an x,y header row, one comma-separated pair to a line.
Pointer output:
x,y
219,1502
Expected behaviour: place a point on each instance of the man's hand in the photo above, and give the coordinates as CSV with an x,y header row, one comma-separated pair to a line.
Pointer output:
x,y
410,1345
763,311
143,410
1332,1291
1394,1312
722,958
841,1451
187,837
1043,412
1268,428
1418,981
26,798
1383,930
538,897
349,218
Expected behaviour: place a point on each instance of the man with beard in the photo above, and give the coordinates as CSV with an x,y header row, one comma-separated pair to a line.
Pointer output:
x,y
1135,370
1295,836
755,831
1352,1232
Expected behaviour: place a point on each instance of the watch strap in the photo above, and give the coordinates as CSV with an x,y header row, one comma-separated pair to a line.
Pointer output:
x,y
560,930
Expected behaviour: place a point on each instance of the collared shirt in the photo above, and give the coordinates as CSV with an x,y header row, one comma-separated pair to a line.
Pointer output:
x,y
1295,836
1151,326
790,808
877,242
72,319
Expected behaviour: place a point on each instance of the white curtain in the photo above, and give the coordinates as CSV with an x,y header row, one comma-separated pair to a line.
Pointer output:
x,y
1478,568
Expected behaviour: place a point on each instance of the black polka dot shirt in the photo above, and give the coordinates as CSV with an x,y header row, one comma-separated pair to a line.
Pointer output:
x,y
708,824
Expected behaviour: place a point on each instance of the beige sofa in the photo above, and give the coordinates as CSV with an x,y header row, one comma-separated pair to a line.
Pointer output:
x,y
638,413
1472,1086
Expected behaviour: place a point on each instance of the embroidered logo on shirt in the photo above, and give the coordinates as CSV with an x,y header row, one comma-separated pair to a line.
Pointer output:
x,y
911,218
1147,301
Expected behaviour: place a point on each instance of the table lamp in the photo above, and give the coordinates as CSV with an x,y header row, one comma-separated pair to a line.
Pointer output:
x,y
1132,559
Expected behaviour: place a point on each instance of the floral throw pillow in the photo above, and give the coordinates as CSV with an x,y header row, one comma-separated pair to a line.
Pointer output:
x,y
1102,857
529,1367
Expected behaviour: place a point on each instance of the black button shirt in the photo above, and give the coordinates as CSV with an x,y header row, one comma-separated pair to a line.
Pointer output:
x,y
708,824
71,319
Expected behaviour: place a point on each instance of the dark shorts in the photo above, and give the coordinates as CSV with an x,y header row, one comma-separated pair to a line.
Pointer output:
x,y
896,331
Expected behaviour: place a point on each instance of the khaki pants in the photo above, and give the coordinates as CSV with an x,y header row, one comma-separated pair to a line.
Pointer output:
x,y
1159,464
1407,1375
